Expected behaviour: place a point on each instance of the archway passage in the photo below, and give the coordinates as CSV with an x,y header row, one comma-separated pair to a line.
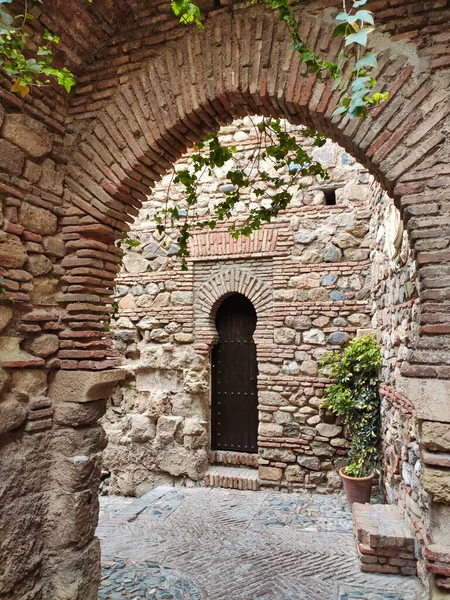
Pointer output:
x,y
234,423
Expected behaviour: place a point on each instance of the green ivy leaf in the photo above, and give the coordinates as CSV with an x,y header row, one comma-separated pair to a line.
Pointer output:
x,y
365,16
360,37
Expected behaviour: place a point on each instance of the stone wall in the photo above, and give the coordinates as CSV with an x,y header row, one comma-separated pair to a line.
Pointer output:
x,y
50,449
396,318
308,274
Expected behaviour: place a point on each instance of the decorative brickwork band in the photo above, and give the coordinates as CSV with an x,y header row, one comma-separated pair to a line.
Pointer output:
x,y
212,293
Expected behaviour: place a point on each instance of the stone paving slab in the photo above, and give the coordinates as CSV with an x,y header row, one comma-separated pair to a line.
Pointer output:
x,y
221,544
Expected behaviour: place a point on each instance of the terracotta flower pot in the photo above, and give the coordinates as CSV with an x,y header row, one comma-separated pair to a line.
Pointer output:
x,y
357,489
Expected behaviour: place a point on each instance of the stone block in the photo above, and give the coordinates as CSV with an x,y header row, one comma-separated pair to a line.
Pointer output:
x,y
4,378
22,544
78,414
77,573
305,237
178,461
72,519
338,337
151,380
12,355
38,264
70,441
436,482
435,436
328,430
44,290
6,315
284,335
32,171
12,252
270,430
309,462
37,220
78,472
309,367
84,386
306,281
127,302
314,336
162,300
430,397
29,381
346,240
143,428
332,254
267,398
322,450
135,263
43,345
52,178
11,158
168,427
28,134
54,246
278,454
299,323
182,298
14,412
295,474
270,473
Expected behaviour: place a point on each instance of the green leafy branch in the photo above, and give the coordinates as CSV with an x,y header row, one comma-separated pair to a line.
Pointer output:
x,y
355,26
273,193
188,12
35,70
127,241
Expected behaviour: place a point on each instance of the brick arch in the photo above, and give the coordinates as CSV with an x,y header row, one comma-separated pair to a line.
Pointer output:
x,y
213,292
143,101
242,64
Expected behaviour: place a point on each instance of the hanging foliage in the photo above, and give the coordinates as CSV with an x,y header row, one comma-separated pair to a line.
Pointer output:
x,y
354,396
357,97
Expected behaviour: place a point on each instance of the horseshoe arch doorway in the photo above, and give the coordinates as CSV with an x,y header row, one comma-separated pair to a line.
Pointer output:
x,y
234,392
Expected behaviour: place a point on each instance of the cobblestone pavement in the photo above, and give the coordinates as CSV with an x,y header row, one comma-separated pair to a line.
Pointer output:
x,y
217,544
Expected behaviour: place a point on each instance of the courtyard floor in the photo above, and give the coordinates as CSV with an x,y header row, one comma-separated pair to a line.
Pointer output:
x,y
218,544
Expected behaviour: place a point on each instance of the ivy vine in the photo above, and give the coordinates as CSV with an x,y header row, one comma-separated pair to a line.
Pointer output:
x,y
357,96
38,68
290,162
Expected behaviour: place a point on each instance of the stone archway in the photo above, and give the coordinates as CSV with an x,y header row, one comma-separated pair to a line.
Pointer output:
x,y
157,97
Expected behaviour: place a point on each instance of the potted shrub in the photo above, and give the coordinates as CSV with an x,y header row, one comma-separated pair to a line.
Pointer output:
x,y
354,397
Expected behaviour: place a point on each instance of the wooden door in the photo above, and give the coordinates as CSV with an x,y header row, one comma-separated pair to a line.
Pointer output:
x,y
234,422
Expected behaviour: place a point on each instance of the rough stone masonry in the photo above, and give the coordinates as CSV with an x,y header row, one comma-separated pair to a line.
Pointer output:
x,y
74,172
308,275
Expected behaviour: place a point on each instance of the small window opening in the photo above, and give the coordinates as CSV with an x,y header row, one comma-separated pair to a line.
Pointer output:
x,y
330,196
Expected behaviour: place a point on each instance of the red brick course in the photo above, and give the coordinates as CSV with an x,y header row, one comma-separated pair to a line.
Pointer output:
x,y
384,540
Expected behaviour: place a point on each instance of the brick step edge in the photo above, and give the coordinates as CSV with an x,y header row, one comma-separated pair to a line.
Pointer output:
x,y
385,541
236,479
235,459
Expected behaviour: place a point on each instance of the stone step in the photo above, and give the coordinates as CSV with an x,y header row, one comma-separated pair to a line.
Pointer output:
x,y
236,478
226,457
385,541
